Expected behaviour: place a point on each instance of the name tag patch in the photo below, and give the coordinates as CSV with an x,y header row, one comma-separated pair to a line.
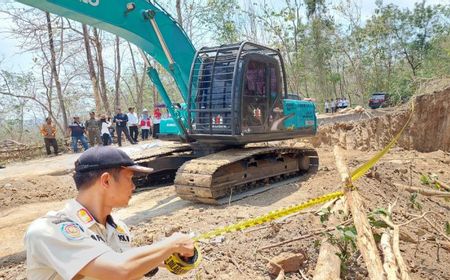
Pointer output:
x,y
124,238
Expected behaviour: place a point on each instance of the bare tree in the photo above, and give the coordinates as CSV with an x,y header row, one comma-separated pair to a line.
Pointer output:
x,y
179,14
91,68
117,73
101,71
55,73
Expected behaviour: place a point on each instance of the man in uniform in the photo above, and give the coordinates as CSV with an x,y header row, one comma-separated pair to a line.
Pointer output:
x,y
83,240
93,127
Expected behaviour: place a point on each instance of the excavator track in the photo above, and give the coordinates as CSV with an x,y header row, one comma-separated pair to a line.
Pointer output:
x,y
212,178
164,160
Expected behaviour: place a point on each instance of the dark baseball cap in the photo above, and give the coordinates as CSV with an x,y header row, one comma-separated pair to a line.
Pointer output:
x,y
100,158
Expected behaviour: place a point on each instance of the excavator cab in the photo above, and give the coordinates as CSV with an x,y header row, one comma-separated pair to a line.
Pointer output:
x,y
237,95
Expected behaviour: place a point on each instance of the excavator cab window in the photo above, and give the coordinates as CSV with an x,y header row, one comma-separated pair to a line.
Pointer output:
x,y
255,96
261,95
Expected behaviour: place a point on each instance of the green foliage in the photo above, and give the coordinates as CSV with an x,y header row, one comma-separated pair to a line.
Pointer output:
x,y
447,228
413,202
375,220
429,180
220,16
324,214
345,240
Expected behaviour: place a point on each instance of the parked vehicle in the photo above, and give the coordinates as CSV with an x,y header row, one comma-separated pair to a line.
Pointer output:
x,y
378,99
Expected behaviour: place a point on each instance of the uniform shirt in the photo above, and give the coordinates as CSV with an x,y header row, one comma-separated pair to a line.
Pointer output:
x,y
61,243
92,125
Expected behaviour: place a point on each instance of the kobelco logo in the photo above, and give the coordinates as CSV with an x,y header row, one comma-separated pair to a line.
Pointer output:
x,y
91,2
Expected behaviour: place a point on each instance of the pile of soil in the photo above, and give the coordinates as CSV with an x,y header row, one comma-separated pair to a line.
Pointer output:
x,y
18,191
427,132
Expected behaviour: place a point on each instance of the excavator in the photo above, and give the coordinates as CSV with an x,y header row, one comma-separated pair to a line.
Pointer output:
x,y
234,96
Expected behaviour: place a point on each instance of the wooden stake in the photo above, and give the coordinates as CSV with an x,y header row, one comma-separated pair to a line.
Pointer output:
x,y
365,241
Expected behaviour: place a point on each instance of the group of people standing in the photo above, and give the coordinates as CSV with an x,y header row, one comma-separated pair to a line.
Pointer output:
x,y
100,131
129,124
333,105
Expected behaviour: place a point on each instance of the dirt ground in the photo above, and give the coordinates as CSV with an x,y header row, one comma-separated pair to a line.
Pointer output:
x,y
423,150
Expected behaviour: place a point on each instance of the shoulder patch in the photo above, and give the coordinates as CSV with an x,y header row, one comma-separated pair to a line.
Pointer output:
x,y
84,216
72,231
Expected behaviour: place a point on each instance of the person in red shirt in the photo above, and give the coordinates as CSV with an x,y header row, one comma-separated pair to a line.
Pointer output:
x,y
145,124
156,121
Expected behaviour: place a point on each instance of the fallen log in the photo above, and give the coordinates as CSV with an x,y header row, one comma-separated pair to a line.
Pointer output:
x,y
422,191
328,265
442,184
365,241
389,263
398,256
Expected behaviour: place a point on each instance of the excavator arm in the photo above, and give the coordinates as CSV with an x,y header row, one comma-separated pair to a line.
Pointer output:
x,y
147,25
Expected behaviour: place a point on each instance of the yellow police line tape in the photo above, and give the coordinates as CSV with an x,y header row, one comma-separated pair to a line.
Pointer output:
x,y
178,266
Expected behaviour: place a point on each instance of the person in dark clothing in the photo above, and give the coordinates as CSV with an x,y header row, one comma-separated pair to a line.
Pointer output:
x,y
48,130
77,131
121,126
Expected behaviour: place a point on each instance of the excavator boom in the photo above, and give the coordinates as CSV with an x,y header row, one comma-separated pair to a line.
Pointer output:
x,y
147,25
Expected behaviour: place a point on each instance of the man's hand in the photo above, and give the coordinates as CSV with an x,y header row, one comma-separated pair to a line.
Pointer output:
x,y
182,244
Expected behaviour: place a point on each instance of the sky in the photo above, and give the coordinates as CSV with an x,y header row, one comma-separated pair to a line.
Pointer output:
x,y
13,59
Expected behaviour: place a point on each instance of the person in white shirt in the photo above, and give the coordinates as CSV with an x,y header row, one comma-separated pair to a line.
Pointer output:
x,y
133,123
333,106
106,135
84,240
345,103
327,106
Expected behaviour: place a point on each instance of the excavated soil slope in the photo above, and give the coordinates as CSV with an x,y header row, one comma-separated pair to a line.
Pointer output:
x,y
428,131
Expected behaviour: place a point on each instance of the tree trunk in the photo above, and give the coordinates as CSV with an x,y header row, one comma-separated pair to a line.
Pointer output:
x,y
101,71
55,73
117,74
91,68
179,15
138,85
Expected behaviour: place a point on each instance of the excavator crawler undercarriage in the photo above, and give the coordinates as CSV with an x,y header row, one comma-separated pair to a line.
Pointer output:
x,y
229,174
